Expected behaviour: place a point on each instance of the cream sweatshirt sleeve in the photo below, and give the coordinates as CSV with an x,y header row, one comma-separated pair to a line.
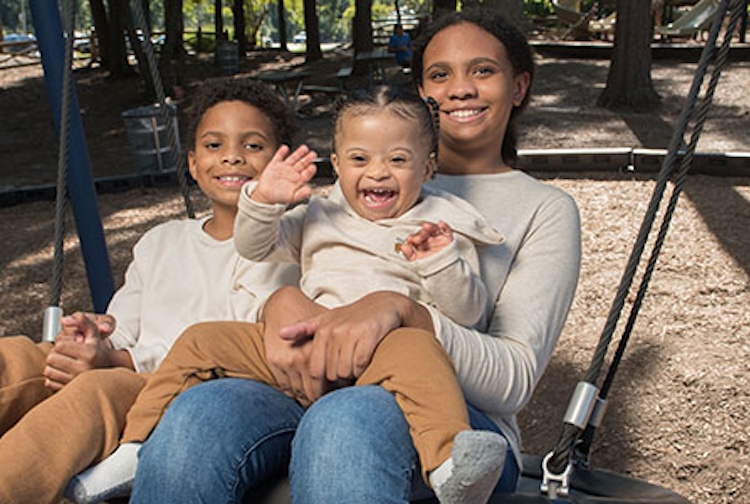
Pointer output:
x,y
260,234
499,369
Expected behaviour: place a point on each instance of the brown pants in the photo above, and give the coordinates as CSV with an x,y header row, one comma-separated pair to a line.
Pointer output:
x,y
51,437
410,363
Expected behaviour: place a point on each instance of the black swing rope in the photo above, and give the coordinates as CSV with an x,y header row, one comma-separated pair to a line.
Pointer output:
x,y
51,323
572,448
53,312
163,106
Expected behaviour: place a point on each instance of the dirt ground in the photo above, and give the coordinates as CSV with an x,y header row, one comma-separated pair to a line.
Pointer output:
x,y
678,413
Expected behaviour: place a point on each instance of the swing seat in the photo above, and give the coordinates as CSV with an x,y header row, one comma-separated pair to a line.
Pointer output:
x,y
591,486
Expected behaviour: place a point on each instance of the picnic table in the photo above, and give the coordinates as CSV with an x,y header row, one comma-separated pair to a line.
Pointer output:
x,y
288,83
375,61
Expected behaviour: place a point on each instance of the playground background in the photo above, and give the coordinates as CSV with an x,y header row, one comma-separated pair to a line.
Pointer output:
x,y
680,408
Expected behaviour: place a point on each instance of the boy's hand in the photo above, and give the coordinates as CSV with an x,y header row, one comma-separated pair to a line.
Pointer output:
x,y
79,346
285,177
430,239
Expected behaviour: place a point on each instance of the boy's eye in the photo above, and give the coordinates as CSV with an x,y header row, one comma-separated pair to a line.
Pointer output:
x,y
438,75
485,70
358,158
399,160
213,145
253,147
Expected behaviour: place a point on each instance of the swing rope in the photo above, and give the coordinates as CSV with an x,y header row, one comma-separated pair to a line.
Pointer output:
x,y
558,462
53,312
148,50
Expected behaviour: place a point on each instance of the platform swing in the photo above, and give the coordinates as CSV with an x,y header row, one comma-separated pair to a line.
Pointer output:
x,y
565,474
76,182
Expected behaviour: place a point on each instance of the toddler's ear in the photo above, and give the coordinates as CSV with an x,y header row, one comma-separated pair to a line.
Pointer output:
x,y
335,163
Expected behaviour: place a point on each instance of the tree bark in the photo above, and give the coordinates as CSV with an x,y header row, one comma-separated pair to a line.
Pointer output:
x,y
362,29
173,53
116,52
218,21
282,25
629,84
238,9
138,49
101,32
312,31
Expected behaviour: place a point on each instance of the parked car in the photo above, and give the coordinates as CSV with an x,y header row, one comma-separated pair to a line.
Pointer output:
x,y
19,43
300,38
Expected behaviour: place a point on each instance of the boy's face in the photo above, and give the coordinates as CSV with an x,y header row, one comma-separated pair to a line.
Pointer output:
x,y
381,161
233,143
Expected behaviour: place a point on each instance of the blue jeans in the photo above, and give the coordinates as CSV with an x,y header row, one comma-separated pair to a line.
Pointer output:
x,y
352,445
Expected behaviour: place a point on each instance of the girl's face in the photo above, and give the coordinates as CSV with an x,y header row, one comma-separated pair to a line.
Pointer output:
x,y
233,143
468,73
381,160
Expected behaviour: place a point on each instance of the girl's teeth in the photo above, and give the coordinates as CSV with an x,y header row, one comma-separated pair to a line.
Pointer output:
x,y
464,113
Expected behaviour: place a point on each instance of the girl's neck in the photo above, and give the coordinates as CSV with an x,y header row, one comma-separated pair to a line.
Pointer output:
x,y
221,224
453,163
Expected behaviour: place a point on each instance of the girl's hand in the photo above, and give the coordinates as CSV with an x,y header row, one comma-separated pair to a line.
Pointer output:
x,y
344,339
430,239
284,180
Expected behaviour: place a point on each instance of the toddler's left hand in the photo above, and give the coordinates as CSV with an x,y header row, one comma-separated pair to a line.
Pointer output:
x,y
430,239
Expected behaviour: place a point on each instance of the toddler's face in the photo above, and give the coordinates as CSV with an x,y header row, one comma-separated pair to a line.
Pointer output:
x,y
233,143
381,160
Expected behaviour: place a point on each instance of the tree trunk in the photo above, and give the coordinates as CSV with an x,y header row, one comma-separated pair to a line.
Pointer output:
x,y
282,25
629,84
218,21
116,52
238,9
362,29
312,31
138,49
173,53
101,32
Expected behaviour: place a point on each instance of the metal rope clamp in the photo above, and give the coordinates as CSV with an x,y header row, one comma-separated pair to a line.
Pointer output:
x,y
555,485
580,407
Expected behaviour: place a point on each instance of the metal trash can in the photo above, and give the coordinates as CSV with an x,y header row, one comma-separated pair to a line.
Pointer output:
x,y
227,57
147,136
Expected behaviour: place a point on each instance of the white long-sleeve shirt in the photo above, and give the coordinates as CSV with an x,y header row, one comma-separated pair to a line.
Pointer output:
x,y
180,275
532,278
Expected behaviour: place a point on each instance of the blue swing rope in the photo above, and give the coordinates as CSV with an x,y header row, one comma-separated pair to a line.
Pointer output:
x,y
572,448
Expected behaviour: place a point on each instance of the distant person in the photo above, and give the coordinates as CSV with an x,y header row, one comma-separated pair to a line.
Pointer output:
x,y
400,45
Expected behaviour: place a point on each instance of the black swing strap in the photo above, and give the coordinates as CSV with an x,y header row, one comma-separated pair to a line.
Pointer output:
x,y
587,406
163,106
